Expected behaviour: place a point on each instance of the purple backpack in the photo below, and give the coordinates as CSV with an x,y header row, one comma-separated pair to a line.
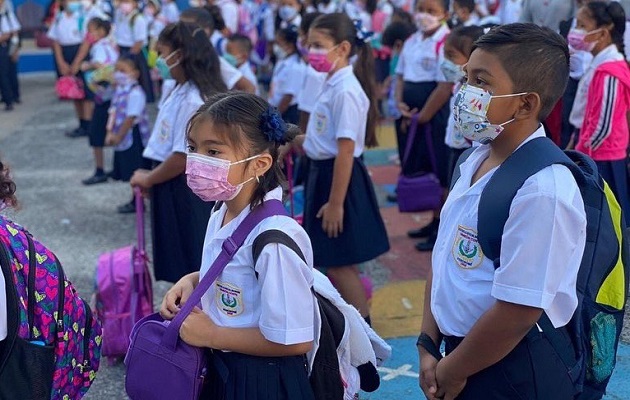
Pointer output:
x,y
52,349
123,291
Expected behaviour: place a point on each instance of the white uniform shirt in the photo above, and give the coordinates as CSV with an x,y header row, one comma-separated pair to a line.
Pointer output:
x,y
127,33
230,74
91,13
170,12
248,73
66,29
420,58
169,132
287,79
8,21
136,102
610,53
279,301
541,251
510,11
229,12
296,21
313,84
103,52
340,113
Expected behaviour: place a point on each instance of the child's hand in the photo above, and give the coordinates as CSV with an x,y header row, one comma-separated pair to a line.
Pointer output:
x,y
449,385
405,111
141,179
176,297
197,329
64,69
332,219
110,139
85,66
427,380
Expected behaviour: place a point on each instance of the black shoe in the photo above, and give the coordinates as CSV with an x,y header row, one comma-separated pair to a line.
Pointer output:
x,y
79,132
17,101
8,107
127,208
94,179
426,246
392,198
426,231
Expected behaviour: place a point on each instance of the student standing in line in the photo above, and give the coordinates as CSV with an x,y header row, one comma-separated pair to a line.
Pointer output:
x,y
341,214
9,42
179,218
238,50
288,75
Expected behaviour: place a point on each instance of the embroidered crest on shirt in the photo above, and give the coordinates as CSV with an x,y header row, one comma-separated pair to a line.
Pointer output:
x,y
229,299
466,249
320,123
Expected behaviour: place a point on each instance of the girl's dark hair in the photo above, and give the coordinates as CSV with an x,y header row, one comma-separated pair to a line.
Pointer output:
x,y
289,34
198,58
200,16
217,17
371,6
100,23
403,16
307,21
339,27
238,119
133,61
7,187
397,31
604,14
463,38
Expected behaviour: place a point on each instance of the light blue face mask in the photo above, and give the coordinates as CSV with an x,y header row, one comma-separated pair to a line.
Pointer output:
x,y
74,7
163,68
230,59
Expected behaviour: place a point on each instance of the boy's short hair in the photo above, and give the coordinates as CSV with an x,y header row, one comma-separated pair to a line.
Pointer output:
x,y
199,16
397,31
535,58
242,41
100,23
467,4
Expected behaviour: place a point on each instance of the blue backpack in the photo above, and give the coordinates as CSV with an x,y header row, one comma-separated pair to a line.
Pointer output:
x,y
602,282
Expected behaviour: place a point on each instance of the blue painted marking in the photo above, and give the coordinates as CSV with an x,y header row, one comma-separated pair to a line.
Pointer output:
x,y
399,374
38,62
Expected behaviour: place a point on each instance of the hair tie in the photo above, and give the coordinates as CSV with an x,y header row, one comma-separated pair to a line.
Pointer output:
x,y
273,126
363,35
197,31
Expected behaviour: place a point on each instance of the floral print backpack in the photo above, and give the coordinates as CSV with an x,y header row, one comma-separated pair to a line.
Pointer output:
x,y
52,348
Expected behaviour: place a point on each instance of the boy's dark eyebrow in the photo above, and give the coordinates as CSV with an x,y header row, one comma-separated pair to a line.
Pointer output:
x,y
478,71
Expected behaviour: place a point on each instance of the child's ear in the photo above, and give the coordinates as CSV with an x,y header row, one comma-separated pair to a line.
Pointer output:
x,y
531,106
262,164
398,44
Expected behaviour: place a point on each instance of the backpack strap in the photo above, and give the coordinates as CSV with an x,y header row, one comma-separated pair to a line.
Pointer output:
x,y
456,172
274,236
496,198
228,249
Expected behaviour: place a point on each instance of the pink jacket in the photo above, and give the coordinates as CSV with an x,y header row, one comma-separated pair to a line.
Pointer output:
x,y
604,134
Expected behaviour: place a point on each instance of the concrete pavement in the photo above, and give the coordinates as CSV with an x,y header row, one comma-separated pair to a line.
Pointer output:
x,y
78,223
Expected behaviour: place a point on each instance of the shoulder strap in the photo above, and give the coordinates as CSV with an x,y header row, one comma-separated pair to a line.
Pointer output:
x,y
228,249
496,198
13,318
456,172
274,236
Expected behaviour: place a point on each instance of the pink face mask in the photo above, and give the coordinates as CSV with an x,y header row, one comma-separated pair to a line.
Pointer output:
x,y
126,8
577,39
207,177
317,58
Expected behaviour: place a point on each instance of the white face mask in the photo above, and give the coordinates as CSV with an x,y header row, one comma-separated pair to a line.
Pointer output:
x,y
287,13
452,72
279,52
470,113
426,22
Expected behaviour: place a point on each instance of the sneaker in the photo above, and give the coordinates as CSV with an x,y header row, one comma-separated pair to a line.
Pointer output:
x,y
79,132
392,198
94,179
127,208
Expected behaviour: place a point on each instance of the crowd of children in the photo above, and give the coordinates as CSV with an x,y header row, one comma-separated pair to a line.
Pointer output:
x,y
336,69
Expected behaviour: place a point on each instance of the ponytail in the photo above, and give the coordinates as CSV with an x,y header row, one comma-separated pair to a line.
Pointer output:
x,y
606,14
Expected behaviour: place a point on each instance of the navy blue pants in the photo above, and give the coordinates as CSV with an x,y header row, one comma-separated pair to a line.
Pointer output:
x,y
532,371
5,76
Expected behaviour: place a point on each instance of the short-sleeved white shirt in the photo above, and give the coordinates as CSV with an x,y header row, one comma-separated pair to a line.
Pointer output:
x,y
230,74
420,57
8,21
103,52
136,102
313,84
169,132
287,79
340,112
279,301
229,12
91,13
127,35
66,29
248,73
170,12
542,246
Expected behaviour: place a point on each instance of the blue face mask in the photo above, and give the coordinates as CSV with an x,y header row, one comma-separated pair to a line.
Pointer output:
x,y
74,7
231,59
163,68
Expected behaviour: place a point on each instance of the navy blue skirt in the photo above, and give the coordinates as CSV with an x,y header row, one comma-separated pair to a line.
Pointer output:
x,y
615,173
98,126
128,161
364,236
415,95
69,53
145,75
236,376
179,219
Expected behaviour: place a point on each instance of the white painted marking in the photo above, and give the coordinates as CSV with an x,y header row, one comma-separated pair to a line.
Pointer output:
x,y
406,303
403,370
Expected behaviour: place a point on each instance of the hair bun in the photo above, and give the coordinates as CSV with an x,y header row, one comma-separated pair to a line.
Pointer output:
x,y
273,126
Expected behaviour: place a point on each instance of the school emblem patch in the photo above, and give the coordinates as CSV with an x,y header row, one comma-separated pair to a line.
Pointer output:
x,y
229,299
466,249
320,123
